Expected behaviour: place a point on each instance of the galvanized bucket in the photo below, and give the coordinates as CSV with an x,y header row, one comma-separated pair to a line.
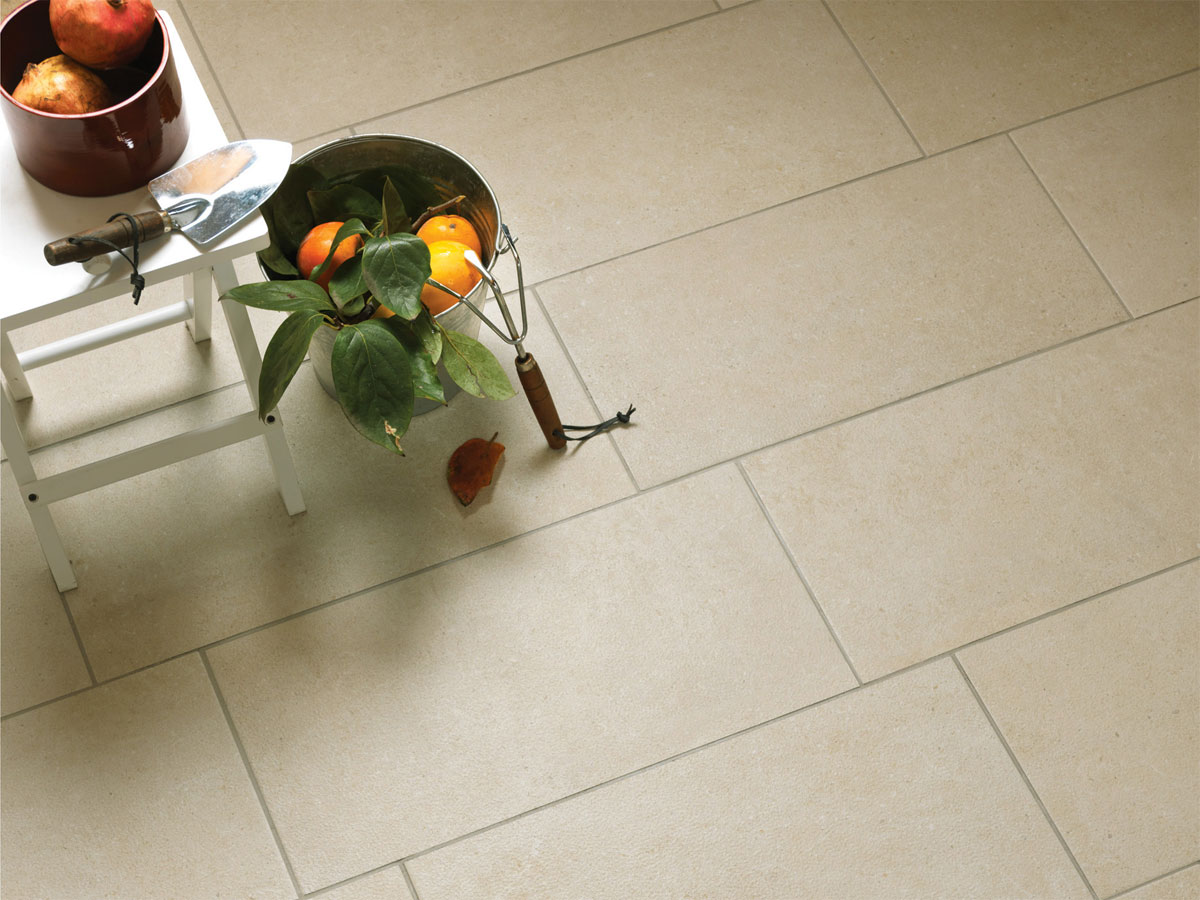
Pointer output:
x,y
452,176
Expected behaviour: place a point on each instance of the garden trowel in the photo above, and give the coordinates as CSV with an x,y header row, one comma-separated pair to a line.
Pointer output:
x,y
203,199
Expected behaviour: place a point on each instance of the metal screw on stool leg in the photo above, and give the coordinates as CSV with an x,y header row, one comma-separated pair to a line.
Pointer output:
x,y
33,498
270,420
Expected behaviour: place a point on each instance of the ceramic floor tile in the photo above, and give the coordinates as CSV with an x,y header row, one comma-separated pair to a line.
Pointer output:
x,y
86,392
826,307
385,885
1184,885
197,54
898,790
1101,705
958,71
134,790
182,556
948,517
394,721
658,137
371,58
39,656
1126,174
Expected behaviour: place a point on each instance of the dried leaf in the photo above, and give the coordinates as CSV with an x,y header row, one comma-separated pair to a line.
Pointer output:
x,y
471,467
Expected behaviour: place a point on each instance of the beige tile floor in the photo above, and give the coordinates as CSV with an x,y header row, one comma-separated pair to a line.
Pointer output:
x,y
892,589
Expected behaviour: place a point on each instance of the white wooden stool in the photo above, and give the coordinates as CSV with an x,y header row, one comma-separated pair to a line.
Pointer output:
x,y
32,215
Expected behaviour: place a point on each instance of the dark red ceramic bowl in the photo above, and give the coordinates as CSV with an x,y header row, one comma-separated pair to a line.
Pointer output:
x,y
105,152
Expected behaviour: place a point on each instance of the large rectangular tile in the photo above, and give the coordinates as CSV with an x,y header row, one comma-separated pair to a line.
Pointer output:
x,y
1183,885
190,554
948,517
897,790
958,71
387,884
657,137
758,330
297,68
476,691
1126,174
134,790
39,656
1101,706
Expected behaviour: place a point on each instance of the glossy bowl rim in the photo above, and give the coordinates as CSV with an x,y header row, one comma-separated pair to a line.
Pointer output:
x,y
128,101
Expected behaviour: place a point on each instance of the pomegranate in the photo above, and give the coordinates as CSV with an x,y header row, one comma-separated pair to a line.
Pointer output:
x,y
102,34
61,85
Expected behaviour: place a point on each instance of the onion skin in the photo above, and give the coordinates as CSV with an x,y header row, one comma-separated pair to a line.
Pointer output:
x,y
61,85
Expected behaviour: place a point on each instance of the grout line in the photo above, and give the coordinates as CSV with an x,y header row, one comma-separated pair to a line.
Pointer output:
x,y
874,77
1098,100
1021,771
1067,222
1155,879
213,71
816,429
796,565
951,654
87,663
337,885
212,678
948,654
412,888
652,488
600,417
136,417
546,65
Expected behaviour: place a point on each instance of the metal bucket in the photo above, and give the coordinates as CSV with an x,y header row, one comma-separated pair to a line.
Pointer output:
x,y
451,175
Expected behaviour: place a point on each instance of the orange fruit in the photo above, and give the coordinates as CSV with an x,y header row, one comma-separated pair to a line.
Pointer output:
x,y
451,228
448,265
315,247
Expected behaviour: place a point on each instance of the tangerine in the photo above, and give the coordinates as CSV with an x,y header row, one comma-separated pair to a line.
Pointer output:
x,y
451,228
315,247
448,265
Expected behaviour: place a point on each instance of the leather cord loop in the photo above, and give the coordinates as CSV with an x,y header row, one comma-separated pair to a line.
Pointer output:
x,y
136,279
621,418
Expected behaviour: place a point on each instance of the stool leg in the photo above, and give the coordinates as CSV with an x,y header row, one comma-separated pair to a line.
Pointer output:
x,y
39,512
199,296
14,375
246,347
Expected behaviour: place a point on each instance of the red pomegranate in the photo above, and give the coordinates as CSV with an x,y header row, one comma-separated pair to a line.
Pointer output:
x,y
61,85
102,34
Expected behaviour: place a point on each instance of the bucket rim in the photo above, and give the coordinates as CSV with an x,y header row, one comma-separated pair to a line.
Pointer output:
x,y
498,247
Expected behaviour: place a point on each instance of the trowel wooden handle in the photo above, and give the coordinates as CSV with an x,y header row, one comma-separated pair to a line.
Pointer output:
x,y
119,231
540,400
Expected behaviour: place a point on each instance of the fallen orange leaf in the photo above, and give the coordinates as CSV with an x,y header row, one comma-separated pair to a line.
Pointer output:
x,y
471,467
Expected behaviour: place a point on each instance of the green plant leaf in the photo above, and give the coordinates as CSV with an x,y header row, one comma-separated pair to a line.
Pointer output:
x,y
348,284
394,218
416,189
473,367
430,335
283,356
289,208
353,307
283,296
395,268
272,256
426,382
373,378
349,229
343,202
